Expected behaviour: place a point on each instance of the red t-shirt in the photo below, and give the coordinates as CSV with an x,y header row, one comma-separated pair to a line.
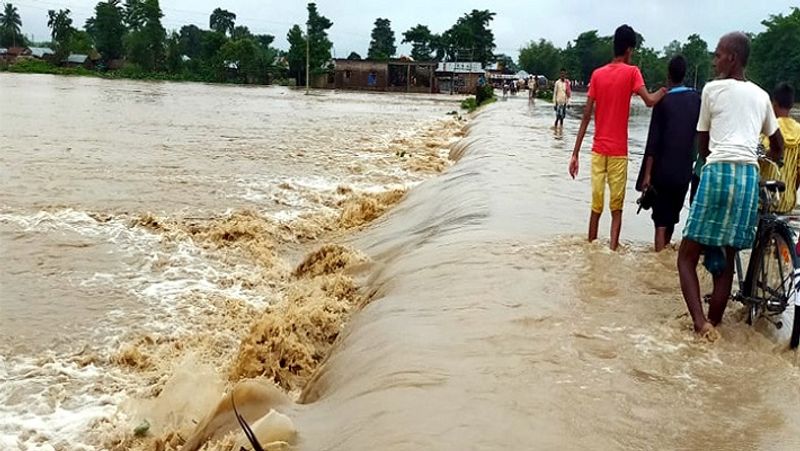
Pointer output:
x,y
611,88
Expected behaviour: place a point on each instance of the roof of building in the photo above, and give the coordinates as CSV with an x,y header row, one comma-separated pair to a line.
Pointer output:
x,y
461,67
16,51
77,58
40,52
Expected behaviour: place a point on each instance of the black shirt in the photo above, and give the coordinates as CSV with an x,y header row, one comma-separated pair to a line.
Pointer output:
x,y
671,139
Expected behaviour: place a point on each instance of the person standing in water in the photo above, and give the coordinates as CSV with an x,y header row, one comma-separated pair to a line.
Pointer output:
x,y
723,217
670,152
561,95
610,89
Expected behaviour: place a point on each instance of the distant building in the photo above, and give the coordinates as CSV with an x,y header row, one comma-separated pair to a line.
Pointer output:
x,y
395,75
41,52
12,53
78,60
459,77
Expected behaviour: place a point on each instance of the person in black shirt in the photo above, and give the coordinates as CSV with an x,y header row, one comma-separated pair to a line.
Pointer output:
x,y
670,150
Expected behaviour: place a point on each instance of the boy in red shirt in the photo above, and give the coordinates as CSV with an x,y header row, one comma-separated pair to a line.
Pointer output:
x,y
611,89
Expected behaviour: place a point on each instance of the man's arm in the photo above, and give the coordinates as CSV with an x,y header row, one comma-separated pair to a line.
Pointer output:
x,y
650,99
776,146
587,116
652,147
703,139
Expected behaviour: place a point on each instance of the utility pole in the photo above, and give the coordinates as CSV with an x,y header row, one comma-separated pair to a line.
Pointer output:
x,y
308,57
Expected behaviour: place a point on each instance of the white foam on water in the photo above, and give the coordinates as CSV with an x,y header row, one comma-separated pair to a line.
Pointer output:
x,y
50,402
60,401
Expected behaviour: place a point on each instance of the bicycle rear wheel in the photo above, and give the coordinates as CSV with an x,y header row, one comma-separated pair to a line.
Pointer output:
x,y
771,280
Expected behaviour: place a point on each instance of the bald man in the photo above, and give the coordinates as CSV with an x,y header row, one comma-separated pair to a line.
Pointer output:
x,y
724,214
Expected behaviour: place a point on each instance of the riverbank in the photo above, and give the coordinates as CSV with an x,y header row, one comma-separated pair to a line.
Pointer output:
x,y
34,66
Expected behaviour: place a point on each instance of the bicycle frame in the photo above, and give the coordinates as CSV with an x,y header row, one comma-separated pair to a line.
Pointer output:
x,y
768,221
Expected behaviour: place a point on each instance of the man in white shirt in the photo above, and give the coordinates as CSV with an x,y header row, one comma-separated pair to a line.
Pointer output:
x,y
561,95
724,214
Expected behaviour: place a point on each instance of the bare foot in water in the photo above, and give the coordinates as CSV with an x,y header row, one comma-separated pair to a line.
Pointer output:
x,y
709,333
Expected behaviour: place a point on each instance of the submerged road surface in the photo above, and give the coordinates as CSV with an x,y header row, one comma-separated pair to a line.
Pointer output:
x,y
495,326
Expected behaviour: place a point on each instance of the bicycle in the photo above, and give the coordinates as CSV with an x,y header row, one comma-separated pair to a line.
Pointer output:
x,y
769,288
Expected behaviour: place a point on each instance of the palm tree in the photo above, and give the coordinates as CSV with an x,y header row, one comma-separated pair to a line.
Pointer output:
x,y
10,25
222,21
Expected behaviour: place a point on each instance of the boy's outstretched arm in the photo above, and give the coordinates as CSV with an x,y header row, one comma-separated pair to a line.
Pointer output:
x,y
587,116
650,99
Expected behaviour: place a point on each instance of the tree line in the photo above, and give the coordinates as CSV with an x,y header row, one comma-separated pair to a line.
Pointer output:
x,y
132,31
775,55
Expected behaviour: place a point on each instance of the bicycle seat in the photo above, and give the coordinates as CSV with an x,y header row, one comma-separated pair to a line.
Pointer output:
x,y
773,186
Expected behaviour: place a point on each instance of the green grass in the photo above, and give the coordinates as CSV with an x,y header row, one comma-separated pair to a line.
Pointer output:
x,y
129,72
34,66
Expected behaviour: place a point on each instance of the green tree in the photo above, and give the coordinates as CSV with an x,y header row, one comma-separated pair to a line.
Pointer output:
x,y
652,65
146,44
541,58
133,14
80,42
241,32
672,49
191,41
354,56
265,41
60,24
470,38
10,27
319,44
212,43
422,42
588,52
296,57
107,29
776,52
173,58
222,21
249,62
382,47
507,63
698,61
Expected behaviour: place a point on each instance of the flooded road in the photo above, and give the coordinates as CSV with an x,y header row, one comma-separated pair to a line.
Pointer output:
x,y
495,326
485,322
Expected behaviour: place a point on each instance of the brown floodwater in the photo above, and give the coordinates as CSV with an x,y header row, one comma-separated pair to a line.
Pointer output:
x,y
495,326
118,222
491,323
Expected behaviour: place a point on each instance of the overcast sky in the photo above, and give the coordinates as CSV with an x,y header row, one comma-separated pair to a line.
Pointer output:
x,y
517,21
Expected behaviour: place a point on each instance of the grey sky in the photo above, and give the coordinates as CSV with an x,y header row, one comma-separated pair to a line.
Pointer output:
x,y
660,21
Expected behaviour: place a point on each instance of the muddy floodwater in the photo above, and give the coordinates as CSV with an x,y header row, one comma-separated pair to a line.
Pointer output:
x,y
409,279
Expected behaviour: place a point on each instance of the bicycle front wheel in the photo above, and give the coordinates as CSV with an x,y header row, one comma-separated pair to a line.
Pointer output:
x,y
772,273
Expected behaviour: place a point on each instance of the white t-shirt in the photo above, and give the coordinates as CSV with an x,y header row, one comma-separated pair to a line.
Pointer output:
x,y
735,113
560,92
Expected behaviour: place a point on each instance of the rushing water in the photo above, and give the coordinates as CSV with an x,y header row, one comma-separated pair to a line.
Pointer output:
x,y
492,324
84,163
495,326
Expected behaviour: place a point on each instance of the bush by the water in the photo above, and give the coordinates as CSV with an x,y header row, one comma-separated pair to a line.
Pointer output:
x,y
545,94
483,96
34,66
